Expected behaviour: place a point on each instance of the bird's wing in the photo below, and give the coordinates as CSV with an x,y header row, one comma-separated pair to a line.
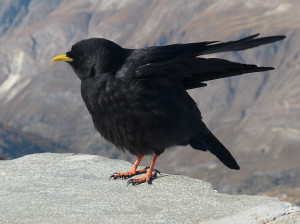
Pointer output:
x,y
181,61
158,57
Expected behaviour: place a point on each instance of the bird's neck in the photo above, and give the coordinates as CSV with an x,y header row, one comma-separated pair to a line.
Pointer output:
x,y
90,91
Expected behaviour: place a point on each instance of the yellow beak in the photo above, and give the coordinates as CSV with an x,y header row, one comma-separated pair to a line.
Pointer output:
x,y
62,57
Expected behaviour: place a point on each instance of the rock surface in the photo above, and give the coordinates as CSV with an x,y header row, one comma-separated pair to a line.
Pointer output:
x,y
68,188
256,116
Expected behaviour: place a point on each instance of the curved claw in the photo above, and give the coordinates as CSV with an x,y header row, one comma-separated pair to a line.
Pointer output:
x,y
131,181
113,176
124,177
156,172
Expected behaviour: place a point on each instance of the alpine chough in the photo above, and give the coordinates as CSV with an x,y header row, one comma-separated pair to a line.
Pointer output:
x,y
138,98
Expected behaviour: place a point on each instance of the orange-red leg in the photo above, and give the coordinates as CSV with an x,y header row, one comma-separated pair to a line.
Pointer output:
x,y
148,176
133,170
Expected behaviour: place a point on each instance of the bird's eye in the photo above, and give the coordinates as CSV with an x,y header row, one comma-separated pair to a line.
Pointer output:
x,y
81,56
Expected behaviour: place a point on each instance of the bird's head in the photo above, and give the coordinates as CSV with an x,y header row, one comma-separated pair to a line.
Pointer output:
x,y
92,57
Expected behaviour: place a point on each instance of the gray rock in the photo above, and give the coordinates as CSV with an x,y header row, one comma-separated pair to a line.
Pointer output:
x,y
256,116
68,188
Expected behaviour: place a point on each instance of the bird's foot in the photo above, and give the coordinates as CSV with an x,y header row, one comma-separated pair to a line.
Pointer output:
x,y
128,174
149,176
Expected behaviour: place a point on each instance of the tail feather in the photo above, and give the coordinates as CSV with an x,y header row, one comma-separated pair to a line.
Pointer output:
x,y
208,142
197,144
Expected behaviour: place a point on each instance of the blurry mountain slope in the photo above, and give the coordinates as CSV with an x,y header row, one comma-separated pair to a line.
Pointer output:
x,y
15,143
257,116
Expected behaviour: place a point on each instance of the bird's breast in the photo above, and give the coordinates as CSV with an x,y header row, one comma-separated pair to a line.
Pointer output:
x,y
139,114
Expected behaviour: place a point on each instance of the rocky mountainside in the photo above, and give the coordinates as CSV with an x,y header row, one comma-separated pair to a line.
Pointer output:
x,y
15,143
256,116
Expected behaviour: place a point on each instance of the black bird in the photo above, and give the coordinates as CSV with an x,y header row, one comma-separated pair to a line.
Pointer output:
x,y
138,98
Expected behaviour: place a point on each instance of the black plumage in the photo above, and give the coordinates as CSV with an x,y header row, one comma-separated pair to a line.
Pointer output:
x,y
138,100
